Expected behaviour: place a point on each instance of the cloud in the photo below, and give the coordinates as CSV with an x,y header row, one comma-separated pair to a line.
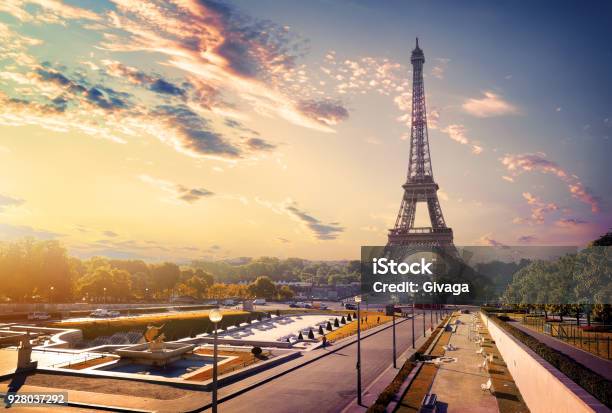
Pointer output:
x,y
8,201
259,144
538,208
526,239
221,48
318,229
178,191
109,233
327,112
283,240
165,87
193,194
489,106
155,83
458,134
487,240
570,222
315,226
191,133
11,232
537,162
439,67
46,11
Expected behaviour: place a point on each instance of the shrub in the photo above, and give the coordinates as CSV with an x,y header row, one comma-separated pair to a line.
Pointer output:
x,y
256,351
336,323
354,315
328,326
300,336
311,334
278,312
321,330
343,320
349,318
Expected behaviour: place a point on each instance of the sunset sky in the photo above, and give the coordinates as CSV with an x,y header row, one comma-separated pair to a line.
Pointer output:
x,y
201,129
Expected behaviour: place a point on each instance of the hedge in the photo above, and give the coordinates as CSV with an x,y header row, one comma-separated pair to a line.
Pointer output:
x,y
176,325
592,382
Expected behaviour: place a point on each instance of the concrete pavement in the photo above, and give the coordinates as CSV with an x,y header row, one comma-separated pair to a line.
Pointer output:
x,y
457,384
327,384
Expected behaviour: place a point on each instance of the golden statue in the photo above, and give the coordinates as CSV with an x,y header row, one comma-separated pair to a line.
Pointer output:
x,y
153,334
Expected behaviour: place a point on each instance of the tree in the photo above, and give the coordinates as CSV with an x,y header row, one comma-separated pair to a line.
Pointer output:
x,y
165,277
321,332
285,293
263,287
328,326
311,334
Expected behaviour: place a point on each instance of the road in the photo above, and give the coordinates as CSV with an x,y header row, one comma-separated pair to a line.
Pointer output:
x,y
329,383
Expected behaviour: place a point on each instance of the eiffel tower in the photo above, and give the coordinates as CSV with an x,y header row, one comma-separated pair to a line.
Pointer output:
x,y
420,185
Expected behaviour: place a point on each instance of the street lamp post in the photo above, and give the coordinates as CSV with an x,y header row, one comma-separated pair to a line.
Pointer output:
x,y
394,301
431,316
215,316
51,294
424,321
358,366
104,295
413,345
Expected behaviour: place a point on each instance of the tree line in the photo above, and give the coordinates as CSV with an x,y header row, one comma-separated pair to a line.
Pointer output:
x,y
572,285
42,271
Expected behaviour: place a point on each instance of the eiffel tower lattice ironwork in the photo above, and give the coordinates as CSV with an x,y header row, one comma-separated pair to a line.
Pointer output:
x,y
420,185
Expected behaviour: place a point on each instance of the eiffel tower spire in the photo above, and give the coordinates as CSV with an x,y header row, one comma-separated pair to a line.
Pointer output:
x,y
420,185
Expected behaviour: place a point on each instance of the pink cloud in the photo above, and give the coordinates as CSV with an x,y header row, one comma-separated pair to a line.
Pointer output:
x,y
537,162
458,133
538,208
489,106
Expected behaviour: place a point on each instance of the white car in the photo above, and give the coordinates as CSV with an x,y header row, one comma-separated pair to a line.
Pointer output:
x,y
104,313
229,302
259,301
39,315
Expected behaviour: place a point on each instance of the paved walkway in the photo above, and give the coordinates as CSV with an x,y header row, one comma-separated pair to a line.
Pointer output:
x,y
8,360
373,390
591,361
325,385
458,384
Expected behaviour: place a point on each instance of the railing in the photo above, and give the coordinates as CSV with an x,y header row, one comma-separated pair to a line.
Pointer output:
x,y
595,342
71,362
421,230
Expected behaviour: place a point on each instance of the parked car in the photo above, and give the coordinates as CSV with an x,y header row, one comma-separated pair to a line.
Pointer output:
x,y
350,306
293,305
259,301
39,315
104,313
229,302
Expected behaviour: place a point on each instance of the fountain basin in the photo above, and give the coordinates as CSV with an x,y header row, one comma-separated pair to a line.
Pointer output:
x,y
143,354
